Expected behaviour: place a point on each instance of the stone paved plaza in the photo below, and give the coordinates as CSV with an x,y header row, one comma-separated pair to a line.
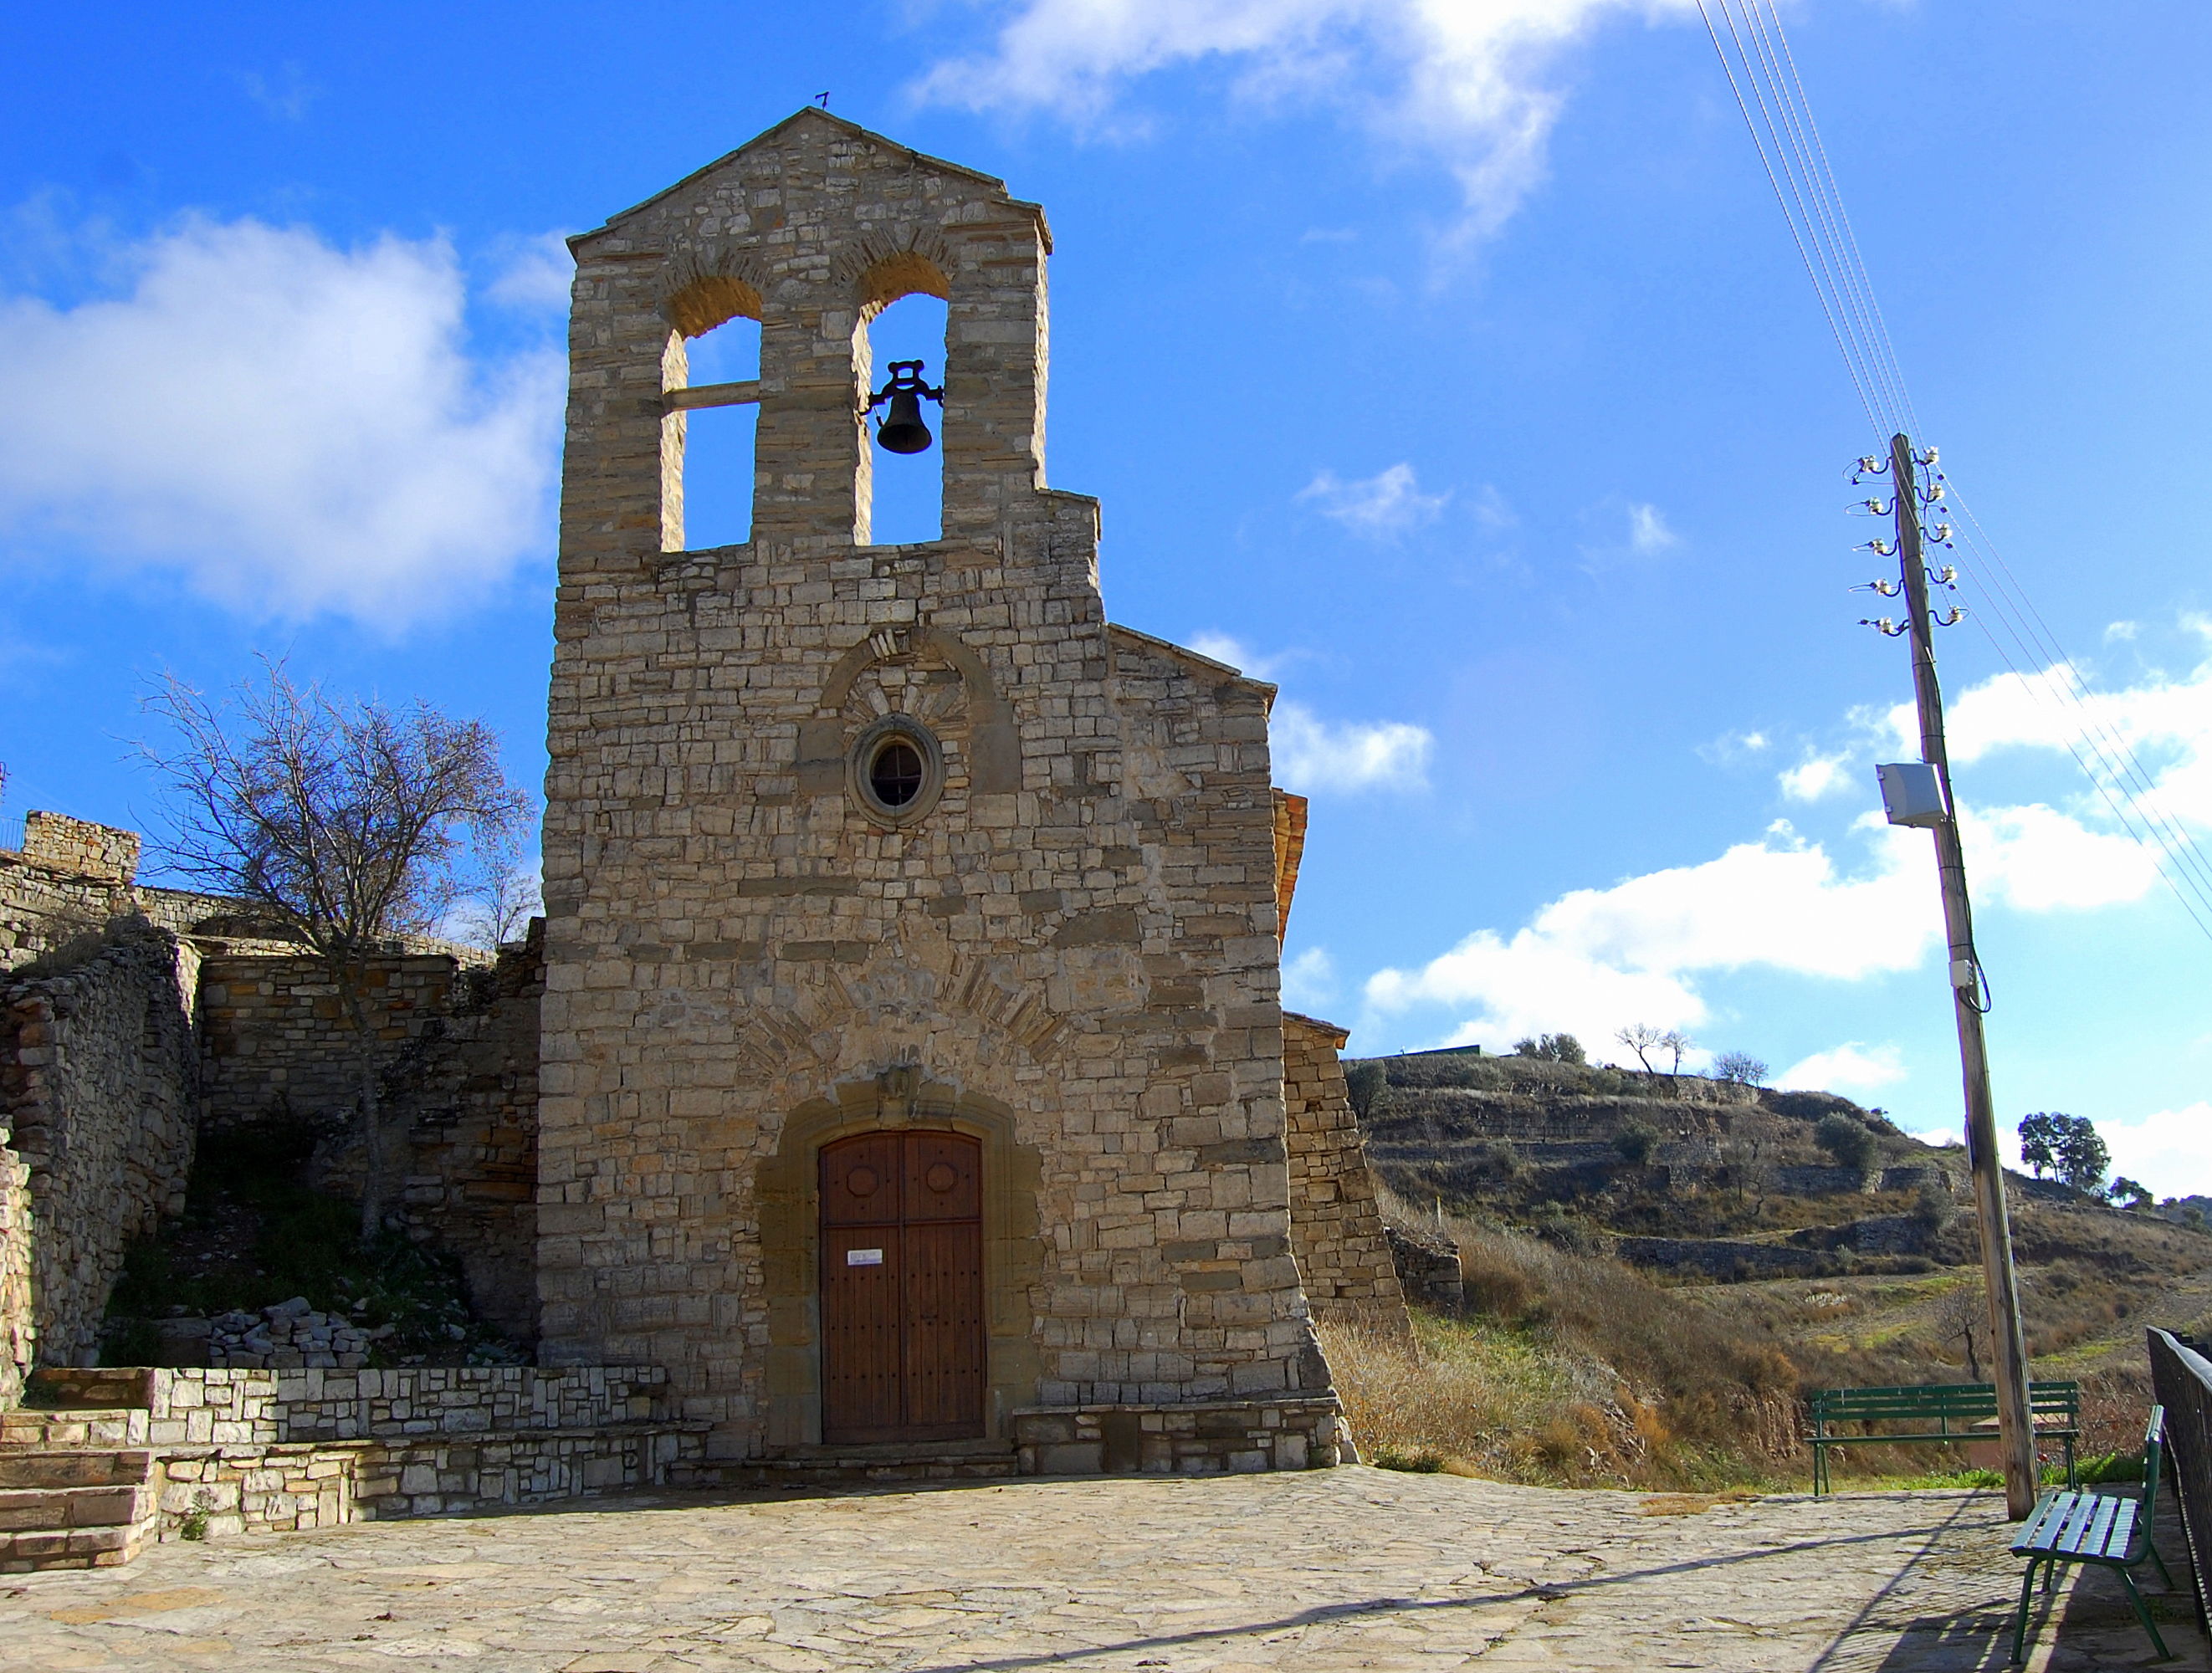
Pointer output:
x,y
1343,1568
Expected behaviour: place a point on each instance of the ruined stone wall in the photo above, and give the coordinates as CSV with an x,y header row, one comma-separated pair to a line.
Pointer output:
x,y
469,1096
457,1052
278,1043
1071,949
99,1085
1344,1254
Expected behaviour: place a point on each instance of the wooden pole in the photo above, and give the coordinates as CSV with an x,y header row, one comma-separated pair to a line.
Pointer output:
x,y
2015,1423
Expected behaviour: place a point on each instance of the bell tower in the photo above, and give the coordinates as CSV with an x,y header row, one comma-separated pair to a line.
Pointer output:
x,y
811,229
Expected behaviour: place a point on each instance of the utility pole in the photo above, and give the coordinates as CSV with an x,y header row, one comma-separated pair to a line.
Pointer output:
x,y
2016,1423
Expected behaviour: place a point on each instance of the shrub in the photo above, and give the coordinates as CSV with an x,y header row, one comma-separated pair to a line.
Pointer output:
x,y
1366,1085
1846,1140
1635,1142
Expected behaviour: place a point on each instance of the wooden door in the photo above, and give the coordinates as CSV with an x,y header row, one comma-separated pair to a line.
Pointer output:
x,y
901,1288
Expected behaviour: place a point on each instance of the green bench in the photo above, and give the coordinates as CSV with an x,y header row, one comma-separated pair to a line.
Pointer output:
x,y
1948,1412
2103,1528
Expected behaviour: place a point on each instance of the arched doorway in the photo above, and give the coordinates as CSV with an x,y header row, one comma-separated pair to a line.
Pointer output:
x,y
903,1326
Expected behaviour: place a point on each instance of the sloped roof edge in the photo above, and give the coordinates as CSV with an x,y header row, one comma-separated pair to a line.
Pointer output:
x,y
1185,653
815,114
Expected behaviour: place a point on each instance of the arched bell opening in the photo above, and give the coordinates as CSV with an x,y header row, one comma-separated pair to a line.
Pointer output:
x,y
710,382
900,358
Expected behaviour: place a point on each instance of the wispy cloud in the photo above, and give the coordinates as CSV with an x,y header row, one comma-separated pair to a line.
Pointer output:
x,y
1815,777
1312,753
1310,979
1648,532
1386,504
1850,1067
285,95
296,428
1475,84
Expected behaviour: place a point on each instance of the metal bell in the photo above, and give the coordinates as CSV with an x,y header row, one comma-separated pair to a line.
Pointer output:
x,y
901,429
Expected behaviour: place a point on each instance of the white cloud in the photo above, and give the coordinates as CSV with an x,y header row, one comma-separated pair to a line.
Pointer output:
x,y
2041,860
2123,630
1648,532
1312,753
1595,959
1472,82
534,274
1850,1067
2165,1151
1309,979
1390,502
1815,777
297,429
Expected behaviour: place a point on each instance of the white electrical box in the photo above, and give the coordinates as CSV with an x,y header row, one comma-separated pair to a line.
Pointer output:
x,y
1910,794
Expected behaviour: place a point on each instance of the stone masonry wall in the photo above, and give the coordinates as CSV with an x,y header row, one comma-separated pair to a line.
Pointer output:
x,y
459,1054
99,1080
1076,940
278,1044
1336,1229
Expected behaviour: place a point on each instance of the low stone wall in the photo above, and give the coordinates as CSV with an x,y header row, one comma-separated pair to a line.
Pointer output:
x,y
418,1401
261,1451
1336,1230
1722,1258
99,1079
245,1488
1196,1440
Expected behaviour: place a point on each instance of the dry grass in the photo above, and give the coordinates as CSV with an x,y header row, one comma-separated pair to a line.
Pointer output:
x,y
1568,1369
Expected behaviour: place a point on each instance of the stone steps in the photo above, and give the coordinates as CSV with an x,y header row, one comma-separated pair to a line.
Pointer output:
x,y
79,1508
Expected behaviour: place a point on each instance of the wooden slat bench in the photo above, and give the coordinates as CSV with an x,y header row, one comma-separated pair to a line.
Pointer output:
x,y
1946,1412
2103,1528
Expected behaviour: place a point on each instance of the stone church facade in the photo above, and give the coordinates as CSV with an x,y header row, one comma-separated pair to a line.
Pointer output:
x,y
898,1085
1026,984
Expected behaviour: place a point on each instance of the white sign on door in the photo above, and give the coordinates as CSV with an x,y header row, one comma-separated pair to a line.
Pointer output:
x,y
864,1257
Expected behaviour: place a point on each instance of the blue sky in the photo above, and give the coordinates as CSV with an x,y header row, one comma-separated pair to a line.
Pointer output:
x,y
1448,364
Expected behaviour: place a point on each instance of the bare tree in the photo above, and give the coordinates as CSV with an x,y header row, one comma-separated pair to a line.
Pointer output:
x,y
1677,1042
506,897
1637,1037
344,823
1962,1314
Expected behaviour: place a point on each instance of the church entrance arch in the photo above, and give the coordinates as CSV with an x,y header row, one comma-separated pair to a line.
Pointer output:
x,y
903,1335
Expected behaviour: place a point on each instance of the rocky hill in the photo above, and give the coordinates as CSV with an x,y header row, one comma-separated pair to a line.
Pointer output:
x,y
1712,1177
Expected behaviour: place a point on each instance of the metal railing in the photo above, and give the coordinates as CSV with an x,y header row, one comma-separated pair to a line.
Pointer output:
x,y
2182,1377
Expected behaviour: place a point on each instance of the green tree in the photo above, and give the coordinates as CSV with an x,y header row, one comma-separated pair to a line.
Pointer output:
x,y
1849,1144
1635,1140
1366,1086
2039,1142
2128,1194
2084,1159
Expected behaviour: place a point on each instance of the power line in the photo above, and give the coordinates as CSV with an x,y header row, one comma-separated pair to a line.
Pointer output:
x,y
1763,75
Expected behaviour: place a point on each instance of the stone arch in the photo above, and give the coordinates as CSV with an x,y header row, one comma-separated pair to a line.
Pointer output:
x,y
993,745
698,301
787,1190
881,277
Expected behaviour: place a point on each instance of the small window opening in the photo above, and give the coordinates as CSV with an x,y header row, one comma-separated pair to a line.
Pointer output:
x,y
896,773
908,489
718,443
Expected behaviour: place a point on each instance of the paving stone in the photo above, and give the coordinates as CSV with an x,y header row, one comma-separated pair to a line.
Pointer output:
x,y
1315,1572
